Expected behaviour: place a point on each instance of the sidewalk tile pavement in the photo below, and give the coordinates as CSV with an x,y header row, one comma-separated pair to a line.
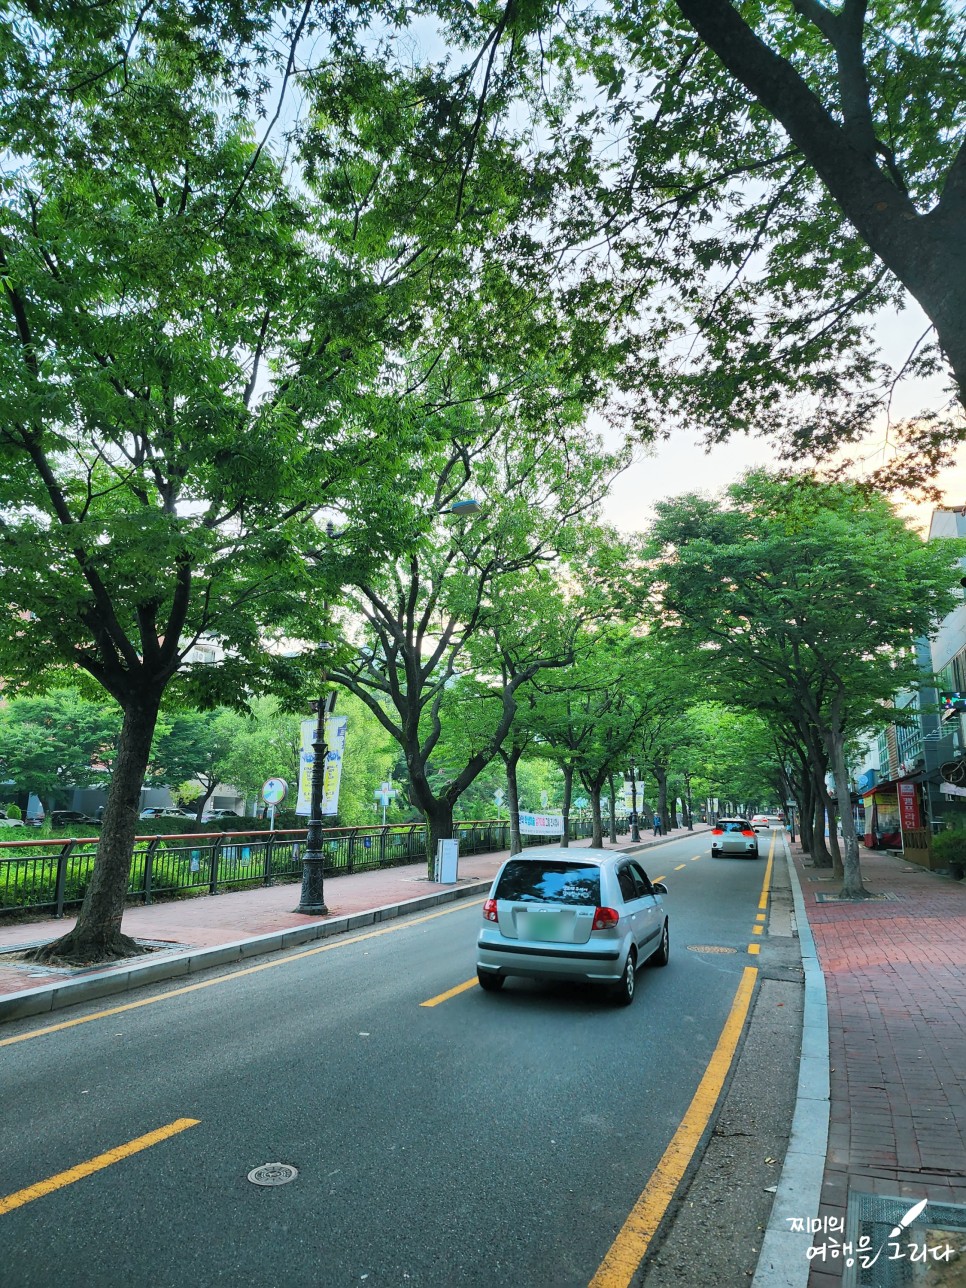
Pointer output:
x,y
896,989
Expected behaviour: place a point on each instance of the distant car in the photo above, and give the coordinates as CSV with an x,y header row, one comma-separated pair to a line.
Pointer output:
x,y
766,821
9,822
158,811
72,818
734,836
223,813
589,915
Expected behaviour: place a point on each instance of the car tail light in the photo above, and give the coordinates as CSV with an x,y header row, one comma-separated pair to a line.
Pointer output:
x,y
717,831
749,832
604,918
489,911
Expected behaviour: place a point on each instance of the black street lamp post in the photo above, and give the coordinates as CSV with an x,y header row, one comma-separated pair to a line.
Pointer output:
x,y
312,900
635,832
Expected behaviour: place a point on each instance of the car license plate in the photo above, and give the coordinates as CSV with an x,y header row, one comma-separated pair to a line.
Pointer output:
x,y
543,925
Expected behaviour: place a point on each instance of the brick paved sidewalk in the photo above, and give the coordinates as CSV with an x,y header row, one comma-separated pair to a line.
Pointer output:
x,y
209,921
895,975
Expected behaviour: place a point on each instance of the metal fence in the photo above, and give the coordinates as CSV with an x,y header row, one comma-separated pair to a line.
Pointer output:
x,y
52,876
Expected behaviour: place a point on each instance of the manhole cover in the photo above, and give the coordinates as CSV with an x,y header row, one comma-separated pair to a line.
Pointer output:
x,y
710,948
273,1174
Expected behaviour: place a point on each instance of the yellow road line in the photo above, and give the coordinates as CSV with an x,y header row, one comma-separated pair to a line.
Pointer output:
x,y
754,948
766,882
627,1251
42,1188
451,992
337,942
757,930
659,878
680,866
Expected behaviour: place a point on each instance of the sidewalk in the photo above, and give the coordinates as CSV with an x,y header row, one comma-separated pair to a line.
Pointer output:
x,y
893,977
214,930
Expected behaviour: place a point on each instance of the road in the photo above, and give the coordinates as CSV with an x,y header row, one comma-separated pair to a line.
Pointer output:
x,y
483,1139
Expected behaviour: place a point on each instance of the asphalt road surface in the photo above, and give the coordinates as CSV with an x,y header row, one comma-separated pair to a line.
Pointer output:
x,y
481,1140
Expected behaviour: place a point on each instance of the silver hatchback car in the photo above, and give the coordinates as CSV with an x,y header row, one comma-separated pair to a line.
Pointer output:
x,y
578,914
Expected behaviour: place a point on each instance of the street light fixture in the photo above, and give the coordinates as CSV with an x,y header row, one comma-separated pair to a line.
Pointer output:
x,y
635,832
312,900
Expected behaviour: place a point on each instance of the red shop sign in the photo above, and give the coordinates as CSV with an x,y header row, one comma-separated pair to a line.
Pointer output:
x,y
908,806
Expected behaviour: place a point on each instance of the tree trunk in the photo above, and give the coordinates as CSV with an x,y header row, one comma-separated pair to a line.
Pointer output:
x,y
594,790
820,855
96,936
511,759
805,814
660,773
439,827
613,809
852,886
831,817
568,791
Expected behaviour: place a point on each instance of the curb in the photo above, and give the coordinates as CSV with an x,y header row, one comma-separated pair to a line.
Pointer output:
x,y
783,1260
38,1001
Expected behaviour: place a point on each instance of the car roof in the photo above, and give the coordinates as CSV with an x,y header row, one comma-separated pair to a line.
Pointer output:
x,y
583,853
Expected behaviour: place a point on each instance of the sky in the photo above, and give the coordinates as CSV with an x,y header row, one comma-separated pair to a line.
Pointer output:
x,y
683,464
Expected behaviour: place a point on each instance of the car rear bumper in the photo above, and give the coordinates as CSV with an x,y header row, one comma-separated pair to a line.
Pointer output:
x,y
595,962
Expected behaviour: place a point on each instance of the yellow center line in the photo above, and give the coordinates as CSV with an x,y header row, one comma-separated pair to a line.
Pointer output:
x,y
451,992
754,948
695,857
757,930
680,866
625,1254
660,878
766,881
338,942
92,1165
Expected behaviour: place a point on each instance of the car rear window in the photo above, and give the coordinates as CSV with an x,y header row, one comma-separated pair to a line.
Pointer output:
x,y
733,825
550,881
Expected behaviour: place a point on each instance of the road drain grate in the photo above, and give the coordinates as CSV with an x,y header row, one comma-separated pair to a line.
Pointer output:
x,y
868,898
710,948
273,1174
871,1218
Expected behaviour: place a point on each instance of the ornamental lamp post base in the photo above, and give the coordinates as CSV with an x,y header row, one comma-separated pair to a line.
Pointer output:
x,y
312,900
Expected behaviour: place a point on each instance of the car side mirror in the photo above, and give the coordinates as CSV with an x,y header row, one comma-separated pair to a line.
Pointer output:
x,y
659,887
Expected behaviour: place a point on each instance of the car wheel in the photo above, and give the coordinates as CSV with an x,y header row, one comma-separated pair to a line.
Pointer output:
x,y
660,958
624,992
489,981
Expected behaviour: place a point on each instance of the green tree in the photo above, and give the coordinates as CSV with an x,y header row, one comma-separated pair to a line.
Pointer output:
x,y
54,743
815,589
784,172
157,273
473,596
197,747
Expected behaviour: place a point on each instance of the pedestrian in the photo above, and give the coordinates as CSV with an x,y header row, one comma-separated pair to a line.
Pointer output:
x,y
657,824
